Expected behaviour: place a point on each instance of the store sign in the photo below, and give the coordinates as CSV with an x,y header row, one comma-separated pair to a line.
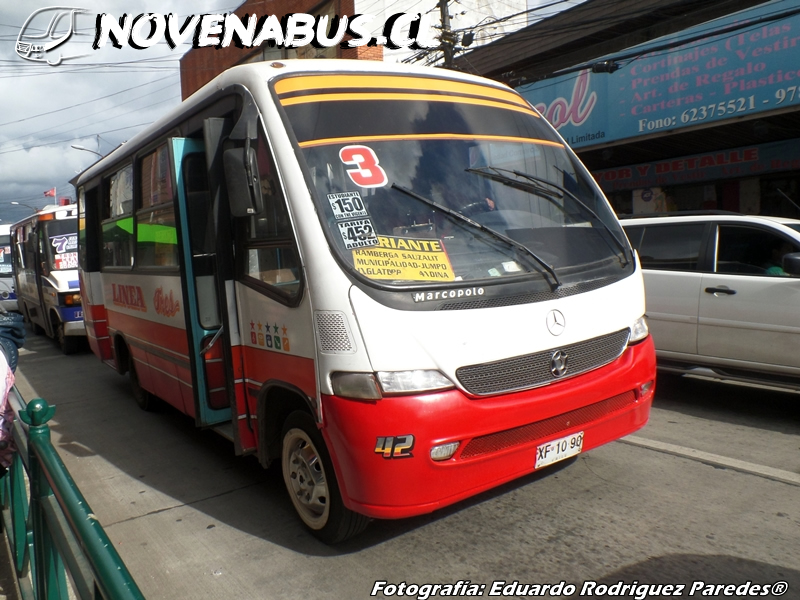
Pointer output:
x,y
750,71
749,161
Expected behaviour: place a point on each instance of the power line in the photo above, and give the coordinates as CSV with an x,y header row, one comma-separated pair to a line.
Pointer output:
x,y
540,32
93,115
25,148
144,65
82,136
708,31
715,32
57,110
430,55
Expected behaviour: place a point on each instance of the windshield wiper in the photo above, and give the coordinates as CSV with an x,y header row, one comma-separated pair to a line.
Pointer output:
x,y
535,184
554,285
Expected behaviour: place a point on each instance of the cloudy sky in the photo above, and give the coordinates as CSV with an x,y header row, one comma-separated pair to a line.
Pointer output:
x,y
96,101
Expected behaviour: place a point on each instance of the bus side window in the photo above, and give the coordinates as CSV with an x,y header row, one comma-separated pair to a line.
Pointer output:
x,y
30,246
121,201
271,256
42,237
118,226
275,266
156,236
201,215
18,248
88,220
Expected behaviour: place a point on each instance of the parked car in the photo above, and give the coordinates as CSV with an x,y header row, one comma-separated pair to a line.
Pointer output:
x,y
723,294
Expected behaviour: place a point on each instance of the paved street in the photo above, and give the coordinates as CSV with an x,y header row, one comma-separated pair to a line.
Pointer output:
x,y
707,492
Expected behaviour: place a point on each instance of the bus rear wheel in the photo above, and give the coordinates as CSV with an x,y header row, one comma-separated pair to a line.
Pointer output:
x,y
144,399
311,482
37,329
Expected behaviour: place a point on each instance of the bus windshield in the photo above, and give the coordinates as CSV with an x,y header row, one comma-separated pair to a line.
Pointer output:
x,y
61,246
421,181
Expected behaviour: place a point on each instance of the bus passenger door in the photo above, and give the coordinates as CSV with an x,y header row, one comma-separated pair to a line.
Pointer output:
x,y
210,345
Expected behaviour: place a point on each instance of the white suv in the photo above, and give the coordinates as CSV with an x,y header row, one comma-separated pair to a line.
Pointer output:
x,y
723,294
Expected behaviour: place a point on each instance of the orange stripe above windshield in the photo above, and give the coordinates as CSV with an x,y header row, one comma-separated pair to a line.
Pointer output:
x,y
320,85
360,96
427,136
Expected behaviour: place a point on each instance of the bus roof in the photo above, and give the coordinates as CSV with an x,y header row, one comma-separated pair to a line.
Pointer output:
x,y
49,213
253,75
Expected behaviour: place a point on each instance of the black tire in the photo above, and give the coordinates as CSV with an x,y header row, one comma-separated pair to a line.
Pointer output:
x,y
144,399
311,482
37,330
68,343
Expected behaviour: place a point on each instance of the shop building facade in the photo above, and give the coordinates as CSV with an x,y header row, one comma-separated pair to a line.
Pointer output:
x,y
704,119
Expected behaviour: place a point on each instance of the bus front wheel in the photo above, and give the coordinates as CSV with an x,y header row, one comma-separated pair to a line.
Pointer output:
x,y
311,482
67,343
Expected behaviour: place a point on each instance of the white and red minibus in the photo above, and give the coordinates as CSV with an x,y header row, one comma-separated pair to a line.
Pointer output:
x,y
398,283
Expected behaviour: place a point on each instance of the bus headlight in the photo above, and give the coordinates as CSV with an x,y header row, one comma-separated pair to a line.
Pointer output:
x,y
374,386
639,330
71,299
408,382
360,386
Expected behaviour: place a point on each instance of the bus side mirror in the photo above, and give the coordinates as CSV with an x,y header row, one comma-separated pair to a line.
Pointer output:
x,y
243,183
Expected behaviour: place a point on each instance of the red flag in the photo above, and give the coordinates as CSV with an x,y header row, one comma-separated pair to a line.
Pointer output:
x,y
51,193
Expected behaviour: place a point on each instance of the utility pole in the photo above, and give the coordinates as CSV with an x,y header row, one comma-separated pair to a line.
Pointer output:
x,y
447,38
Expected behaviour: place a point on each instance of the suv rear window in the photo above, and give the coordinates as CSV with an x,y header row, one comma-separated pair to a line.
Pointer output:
x,y
667,247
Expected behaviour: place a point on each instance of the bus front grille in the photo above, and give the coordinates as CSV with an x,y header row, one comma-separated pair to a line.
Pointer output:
x,y
535,370
547,428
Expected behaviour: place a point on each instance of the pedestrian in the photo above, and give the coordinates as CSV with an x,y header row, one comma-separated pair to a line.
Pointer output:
x,y
12,336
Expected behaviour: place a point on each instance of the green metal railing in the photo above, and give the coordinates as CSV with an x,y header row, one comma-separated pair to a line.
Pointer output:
x,y
50,527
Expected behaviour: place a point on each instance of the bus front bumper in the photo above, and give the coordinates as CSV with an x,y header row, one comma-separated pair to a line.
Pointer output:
x,y
74,328
381,450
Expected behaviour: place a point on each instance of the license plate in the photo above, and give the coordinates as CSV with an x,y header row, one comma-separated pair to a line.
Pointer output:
x,y
556,450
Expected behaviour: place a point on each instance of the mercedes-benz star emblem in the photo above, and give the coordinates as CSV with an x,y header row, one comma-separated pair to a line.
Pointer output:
x,y
558,363
556,322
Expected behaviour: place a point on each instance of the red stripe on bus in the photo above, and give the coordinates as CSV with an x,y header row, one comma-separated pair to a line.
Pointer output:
x,y
170,338
96,323
265,365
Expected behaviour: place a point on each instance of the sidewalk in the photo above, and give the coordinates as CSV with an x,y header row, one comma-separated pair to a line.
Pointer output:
x,y
8,583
